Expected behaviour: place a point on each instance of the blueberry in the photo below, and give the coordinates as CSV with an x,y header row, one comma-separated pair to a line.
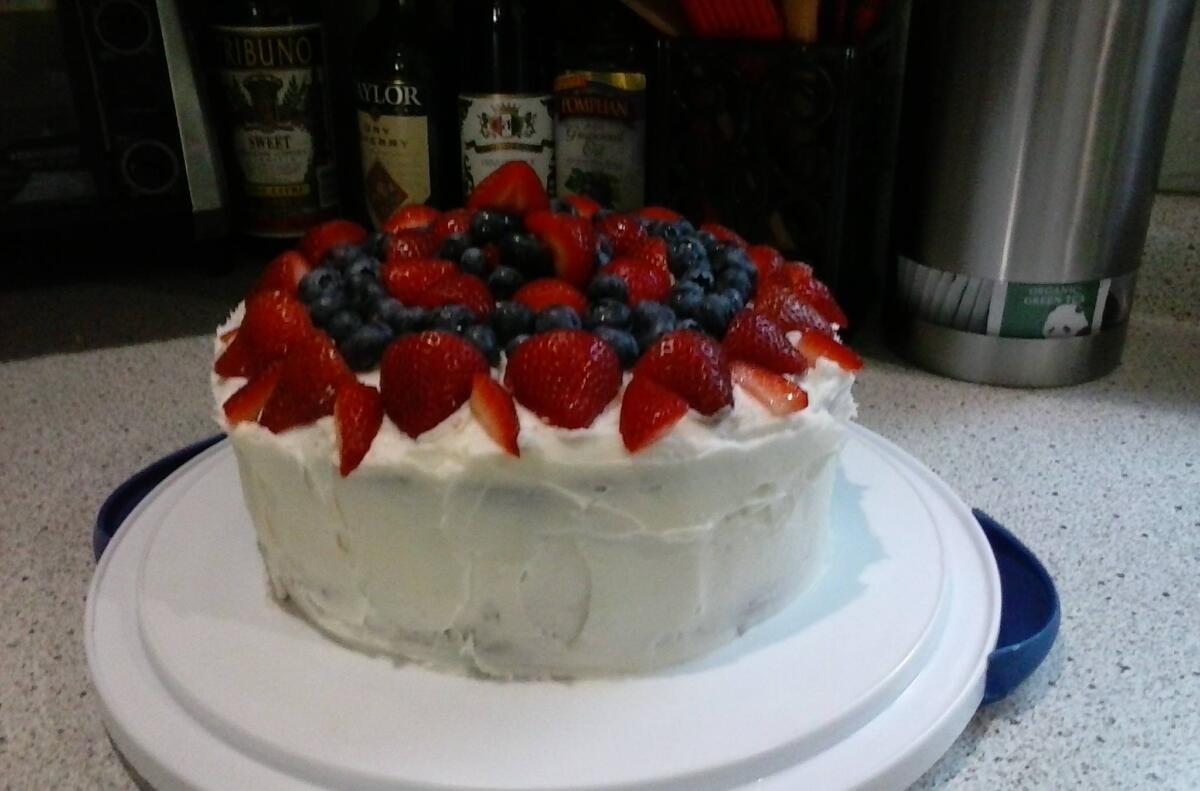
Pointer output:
x,y
473,262
604,247
561,206
709,241
701,275
601,214
513,343
454,246
365,293
376,244
685,254
484,339
647,315
330,301
504,282
317,282
689,324
728,255
737,280
510,319
342,255
488,226
608,313
363,266
656,228
685,299
736,297
685,228
621,342
670,231
365,346
402,319
452,318
523,252
716,312
559,317
343,324
607,287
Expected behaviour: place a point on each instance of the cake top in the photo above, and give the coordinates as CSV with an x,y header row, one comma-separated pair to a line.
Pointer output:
x,y
561,306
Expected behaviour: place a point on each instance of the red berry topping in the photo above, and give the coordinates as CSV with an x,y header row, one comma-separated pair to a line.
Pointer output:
x,y
459,289
411,246
566,377
624,231
814,346
648,413
408,281
324,237
779,395
408,218
645,282
690,365
537,295
357,416
425,377
248,402
494,409
792,274
273,323
789,311
309,380
659,214
584,206
571,241
723,234
766,260
817,294
512,188
754,338
228,335
653,252
284,273
237,359
452,223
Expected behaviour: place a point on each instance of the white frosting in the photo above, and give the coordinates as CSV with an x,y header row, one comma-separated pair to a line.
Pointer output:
x,y
575,559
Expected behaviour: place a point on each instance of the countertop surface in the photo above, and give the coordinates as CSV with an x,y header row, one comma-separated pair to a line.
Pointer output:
x,y
1101,480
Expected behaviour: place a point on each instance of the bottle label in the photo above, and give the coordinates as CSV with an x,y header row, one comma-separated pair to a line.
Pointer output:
x,y
393,133
499,128
275,87
600,134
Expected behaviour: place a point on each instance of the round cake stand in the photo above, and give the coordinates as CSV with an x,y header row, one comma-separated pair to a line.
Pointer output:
x,y
205,681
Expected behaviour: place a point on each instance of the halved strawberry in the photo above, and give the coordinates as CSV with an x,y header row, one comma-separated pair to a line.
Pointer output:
x,y
228,335
566,377
459,289
793,274
357,416
766,259
425,377
754,338
451,223
248,402
272,323
546,292
284,273
653,252
512,188
494,409
724,235
790,312
408,281
623,230
584,206
411,246
692,366
659,214
322,238
646,282
648,413
237,359
309,380
779,395
817,294
408,218
571,241
814,346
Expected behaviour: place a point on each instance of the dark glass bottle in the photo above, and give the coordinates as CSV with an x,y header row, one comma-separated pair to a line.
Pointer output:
x,y
505,105
271,68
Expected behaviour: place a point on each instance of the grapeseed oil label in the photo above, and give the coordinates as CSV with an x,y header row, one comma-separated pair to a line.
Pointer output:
x,y
393,132
600,137
499,128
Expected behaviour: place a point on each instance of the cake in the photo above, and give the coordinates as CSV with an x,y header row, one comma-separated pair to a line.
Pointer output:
x,y
531,439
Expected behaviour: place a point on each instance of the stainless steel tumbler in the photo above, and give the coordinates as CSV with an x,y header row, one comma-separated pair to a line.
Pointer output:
x,y
1032,143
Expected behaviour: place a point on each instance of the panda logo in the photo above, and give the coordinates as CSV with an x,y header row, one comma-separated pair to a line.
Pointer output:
x,y
1065,321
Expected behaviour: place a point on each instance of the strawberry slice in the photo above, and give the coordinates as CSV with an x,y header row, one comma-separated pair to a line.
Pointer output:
x,y
229,335
815,345
512,188
452,223
571,241
546,292
459,289
409,218
248,402
309,380
584,206
792,274
284,273
322,238
653,252
817,294
754,338
724,235
645,282
408,281
411,246
425,377
779,395
648,413
237,359
659,214
566,377
272,323
766,259
357,416
493,407
789,311
624,231
691,365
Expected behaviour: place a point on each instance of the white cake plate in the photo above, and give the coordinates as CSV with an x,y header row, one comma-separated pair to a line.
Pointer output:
x,y
206,682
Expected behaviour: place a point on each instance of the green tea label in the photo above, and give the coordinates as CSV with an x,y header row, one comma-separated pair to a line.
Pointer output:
x,y
1046,310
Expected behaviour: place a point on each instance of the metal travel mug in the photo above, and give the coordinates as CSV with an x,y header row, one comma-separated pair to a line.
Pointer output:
x,y
1033,134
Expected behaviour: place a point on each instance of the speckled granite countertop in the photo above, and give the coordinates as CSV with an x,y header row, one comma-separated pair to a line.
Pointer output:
x,y
1101,480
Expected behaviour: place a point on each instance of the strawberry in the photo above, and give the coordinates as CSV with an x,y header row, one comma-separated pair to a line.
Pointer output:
x,y
309,380
357,416
272,323
409,218
790,312
408,281
766,260
659,214
754,338
623,230
459,289
724,235
648,412
248,402
814,346
229,335
425,377
493,407
512,188
571,241
646,283
792,274
283,273
566,377
817,294
452,223
779,395
237,359
654,253
322,238
411,245
546,292
584,206
690,365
